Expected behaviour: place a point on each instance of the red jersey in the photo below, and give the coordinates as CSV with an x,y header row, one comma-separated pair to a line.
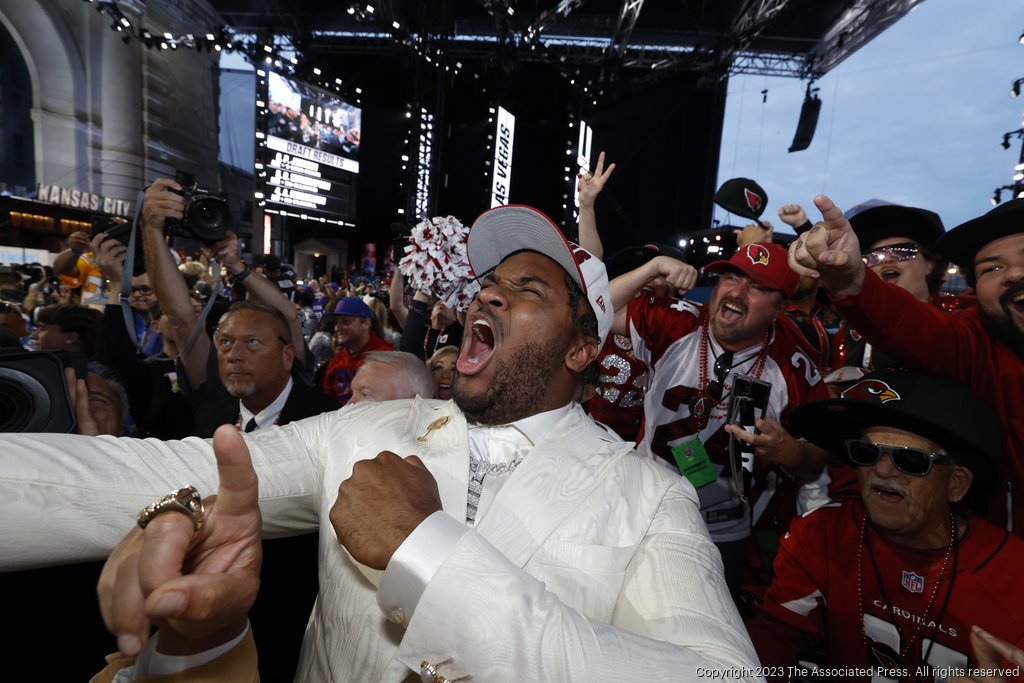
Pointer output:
x,y
342,368
818,578
926,338
666,335
620,402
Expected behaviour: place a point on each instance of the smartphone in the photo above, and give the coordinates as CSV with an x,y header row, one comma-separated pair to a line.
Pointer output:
x,y
749,401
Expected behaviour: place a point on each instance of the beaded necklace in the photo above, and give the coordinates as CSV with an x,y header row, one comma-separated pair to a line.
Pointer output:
x,y
881,587
699,406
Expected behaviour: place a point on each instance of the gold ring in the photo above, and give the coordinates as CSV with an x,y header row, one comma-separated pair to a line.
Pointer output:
x,y
185,500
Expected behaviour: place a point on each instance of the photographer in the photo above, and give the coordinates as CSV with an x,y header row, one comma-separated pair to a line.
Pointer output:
x,y
10,285
76,268
164,200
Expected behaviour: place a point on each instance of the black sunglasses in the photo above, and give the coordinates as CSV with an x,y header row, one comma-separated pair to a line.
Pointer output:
x,y
912,461
723,364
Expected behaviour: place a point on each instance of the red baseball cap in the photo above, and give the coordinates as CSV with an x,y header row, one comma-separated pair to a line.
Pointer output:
x,y
766,263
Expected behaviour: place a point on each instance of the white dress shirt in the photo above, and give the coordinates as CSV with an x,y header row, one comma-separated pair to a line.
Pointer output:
x,y
269,415
421,554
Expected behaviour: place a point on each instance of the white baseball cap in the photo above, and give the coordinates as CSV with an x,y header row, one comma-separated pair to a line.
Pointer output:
x,y
505,230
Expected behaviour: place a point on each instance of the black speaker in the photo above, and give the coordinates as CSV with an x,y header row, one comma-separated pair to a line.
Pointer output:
x,y
808,121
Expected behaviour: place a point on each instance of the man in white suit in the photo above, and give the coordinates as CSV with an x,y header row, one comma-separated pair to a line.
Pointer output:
x,y
520,542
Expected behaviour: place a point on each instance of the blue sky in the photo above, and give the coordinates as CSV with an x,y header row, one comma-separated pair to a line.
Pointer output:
x,y
914,117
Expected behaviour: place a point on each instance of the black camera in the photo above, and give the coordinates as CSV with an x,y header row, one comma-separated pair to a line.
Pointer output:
x,y
207,215
749,402
34,391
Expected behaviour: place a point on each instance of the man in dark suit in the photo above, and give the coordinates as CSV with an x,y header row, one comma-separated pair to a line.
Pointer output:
x,y
254,360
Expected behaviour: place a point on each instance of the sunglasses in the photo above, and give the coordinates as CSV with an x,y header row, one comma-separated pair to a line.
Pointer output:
x,y
912,461
142,289
723,364
904,251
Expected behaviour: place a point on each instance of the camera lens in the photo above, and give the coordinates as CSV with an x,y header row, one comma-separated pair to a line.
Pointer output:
x,y
208,216
24,403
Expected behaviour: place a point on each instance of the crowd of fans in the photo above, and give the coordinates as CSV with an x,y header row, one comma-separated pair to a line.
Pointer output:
x,y
867,510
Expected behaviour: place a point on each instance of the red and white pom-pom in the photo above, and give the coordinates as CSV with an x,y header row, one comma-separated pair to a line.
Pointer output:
x,y
436,260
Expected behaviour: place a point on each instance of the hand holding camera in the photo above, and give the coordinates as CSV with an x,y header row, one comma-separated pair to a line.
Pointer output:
x,y
162,200
180,208
108,255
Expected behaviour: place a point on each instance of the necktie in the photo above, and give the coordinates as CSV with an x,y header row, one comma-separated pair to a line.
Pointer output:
x,y
504,447
250,425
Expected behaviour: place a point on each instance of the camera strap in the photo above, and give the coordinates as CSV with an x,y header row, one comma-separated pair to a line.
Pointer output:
x,y
127,272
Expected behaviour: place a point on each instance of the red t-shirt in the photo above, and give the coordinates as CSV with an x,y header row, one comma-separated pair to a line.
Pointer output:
x,y
926,338
342,368
815,595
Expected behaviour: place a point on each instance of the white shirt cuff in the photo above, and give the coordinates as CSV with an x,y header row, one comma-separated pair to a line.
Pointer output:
x,y
414,564
152,663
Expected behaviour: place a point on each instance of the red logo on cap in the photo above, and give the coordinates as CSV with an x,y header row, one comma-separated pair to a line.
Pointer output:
x,y
600,302
579,254
873,390
754,200
758,254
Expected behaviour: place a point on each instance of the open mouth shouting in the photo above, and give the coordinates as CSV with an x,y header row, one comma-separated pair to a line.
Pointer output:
x,y
1013,300
477,347
731,310
890,274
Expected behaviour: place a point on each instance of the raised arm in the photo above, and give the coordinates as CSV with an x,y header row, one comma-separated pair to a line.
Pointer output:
x,y
66,262
830,251
167,281
673,272
260,289
589,186
396,298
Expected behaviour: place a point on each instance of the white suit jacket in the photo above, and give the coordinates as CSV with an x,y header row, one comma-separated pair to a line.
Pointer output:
x,y
591,563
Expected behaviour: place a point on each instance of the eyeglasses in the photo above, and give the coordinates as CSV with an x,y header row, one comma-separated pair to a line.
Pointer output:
x,y
912,461
904,251
723,364
143,289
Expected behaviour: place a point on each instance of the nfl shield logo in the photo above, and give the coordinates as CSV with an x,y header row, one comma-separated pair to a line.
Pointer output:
x,y
913,582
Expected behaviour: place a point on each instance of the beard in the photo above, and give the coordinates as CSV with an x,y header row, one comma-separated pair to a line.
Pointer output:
x,y
518,386
1003,328
240,389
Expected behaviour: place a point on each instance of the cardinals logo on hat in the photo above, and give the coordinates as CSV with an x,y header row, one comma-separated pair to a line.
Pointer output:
x,y
758,254
872,390
754,200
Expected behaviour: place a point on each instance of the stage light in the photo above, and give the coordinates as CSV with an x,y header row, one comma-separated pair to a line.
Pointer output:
x,y
1006,141
997,197
1015,90
1021,39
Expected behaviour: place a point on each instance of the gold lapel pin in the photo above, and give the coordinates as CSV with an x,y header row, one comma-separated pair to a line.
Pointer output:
x,y
436,424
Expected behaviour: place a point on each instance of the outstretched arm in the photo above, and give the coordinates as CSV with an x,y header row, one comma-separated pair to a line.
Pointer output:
x,y
830,251
196,587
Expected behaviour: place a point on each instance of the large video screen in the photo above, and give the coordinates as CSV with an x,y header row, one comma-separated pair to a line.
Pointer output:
x,y
313,141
